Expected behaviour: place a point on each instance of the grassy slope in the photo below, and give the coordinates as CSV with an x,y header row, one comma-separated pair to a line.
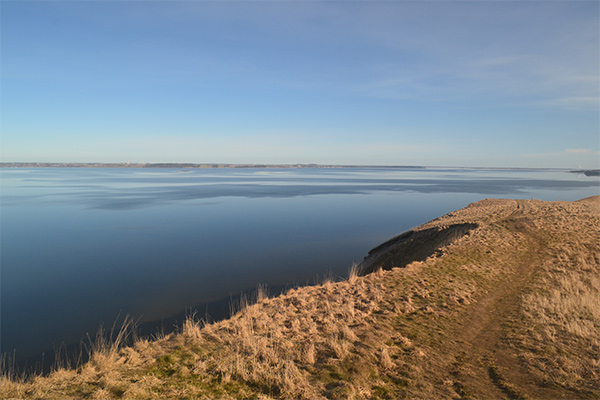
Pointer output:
x,y
509,310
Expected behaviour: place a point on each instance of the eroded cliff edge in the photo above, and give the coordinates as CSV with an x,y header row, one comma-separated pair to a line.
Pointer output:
x,y
504,306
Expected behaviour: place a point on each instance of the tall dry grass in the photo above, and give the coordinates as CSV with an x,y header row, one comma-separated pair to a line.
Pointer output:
x,y
385,335
563,311
562,308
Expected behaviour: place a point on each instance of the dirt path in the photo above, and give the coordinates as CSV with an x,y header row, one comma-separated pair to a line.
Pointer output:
x,y
486,367
504,306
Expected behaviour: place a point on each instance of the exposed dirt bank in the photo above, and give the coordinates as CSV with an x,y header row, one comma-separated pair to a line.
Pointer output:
x,y
497,300
411,246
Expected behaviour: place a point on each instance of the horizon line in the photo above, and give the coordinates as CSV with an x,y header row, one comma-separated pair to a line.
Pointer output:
x,y
190,165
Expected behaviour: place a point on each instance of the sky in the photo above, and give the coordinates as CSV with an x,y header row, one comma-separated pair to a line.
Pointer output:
x,y
440,83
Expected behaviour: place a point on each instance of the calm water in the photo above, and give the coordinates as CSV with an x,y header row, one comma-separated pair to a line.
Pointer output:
x,y
81,246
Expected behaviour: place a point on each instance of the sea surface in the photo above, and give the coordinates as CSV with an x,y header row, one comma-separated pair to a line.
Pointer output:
x,y
82,247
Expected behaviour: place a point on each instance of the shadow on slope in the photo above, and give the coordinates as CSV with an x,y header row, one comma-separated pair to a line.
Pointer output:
x,y
412,246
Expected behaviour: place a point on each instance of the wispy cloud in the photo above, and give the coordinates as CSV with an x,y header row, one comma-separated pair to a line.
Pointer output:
x,y
573,103
548,57
580,151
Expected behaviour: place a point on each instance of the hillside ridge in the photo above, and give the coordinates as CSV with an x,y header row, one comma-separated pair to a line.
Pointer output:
x,y
505,305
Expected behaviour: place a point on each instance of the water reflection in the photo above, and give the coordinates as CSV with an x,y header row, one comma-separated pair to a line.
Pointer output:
x,y
130,189
80,246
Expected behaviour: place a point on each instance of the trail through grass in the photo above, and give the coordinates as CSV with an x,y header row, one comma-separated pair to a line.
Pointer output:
x,y
507,309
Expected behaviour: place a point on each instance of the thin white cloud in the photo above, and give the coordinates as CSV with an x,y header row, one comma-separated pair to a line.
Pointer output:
x,y
579,151
567,158
565,152
573,103
548,57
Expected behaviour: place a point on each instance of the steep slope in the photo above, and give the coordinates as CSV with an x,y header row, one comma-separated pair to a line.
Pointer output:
x,y
505,305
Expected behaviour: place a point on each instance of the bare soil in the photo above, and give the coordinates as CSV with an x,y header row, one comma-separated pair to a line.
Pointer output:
x,y
485,364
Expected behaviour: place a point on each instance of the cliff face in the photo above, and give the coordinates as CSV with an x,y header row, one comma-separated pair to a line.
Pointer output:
x,y
414,245
495,300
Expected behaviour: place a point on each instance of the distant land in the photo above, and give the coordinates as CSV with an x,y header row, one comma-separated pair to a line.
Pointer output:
x,y
589,172
182,165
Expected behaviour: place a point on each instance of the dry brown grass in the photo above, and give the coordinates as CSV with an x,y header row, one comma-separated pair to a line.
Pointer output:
x,y
509,310
562,308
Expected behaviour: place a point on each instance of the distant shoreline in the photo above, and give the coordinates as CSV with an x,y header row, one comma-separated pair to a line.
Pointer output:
x,y
183,165
590,172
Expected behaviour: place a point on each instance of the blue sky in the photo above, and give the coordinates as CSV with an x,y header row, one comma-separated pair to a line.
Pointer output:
x,y
469,83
